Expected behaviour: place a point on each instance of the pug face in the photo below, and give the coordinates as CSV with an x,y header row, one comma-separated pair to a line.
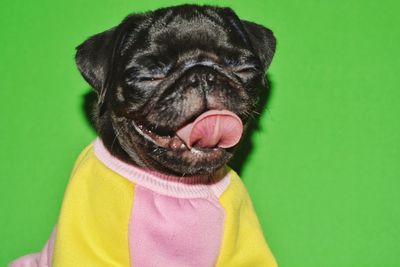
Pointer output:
x,y
158,71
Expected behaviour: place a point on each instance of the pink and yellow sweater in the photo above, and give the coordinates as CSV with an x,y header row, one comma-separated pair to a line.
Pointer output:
x,y
115,214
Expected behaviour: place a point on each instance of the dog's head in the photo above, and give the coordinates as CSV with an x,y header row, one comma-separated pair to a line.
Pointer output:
x,y
156,72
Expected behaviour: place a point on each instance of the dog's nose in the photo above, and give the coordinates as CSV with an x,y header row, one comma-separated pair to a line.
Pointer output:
x,y
202,77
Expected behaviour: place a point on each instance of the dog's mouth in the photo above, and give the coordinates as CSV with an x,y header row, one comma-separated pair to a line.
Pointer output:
x,y
169,141
211,131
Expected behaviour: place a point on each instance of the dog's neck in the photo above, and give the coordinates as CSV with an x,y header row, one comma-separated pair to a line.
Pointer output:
x,y
103,153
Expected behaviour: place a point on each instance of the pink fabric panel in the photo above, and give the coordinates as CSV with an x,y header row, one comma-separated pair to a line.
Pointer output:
x,y
42,259
50,248
30,260
169,231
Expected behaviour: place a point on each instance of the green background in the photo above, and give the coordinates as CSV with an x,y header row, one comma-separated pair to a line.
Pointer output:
x,y
324,169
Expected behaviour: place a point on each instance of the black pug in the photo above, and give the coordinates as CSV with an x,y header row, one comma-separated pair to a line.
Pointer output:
x,y
175,87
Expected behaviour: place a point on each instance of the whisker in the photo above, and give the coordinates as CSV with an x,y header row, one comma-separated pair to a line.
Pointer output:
x,y
117,133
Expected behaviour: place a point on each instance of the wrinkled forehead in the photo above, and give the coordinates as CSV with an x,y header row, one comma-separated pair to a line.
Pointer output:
x,y
198,30
177,34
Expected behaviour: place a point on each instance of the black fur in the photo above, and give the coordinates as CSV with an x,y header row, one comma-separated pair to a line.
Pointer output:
x,y
159,70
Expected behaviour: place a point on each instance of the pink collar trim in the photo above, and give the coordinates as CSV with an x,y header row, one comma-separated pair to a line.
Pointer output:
x,y
182,187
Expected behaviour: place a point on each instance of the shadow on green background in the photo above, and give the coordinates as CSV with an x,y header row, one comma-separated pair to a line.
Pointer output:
x,y
323,170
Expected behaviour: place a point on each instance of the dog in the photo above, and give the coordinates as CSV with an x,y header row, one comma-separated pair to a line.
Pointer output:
x,y
176,87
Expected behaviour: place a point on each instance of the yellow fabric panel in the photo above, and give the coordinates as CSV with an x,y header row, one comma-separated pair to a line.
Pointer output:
x,y
93,224
243,243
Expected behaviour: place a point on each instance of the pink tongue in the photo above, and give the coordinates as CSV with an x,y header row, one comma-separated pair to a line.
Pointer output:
x,y
214,128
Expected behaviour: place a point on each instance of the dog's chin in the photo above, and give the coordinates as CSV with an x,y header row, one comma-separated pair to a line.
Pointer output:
x,y
168,153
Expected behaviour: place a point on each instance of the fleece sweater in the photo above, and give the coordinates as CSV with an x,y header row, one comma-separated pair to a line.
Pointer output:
x,y
115,214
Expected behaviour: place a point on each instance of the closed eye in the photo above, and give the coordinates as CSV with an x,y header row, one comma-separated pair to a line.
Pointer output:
x,y
137,74
246,73
149,78
247,70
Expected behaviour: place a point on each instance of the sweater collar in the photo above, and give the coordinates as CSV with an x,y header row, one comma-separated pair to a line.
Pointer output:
x,y
184,187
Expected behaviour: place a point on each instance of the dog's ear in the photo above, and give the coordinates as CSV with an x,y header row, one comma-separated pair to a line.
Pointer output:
x,y
263,41
94,59
96,56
